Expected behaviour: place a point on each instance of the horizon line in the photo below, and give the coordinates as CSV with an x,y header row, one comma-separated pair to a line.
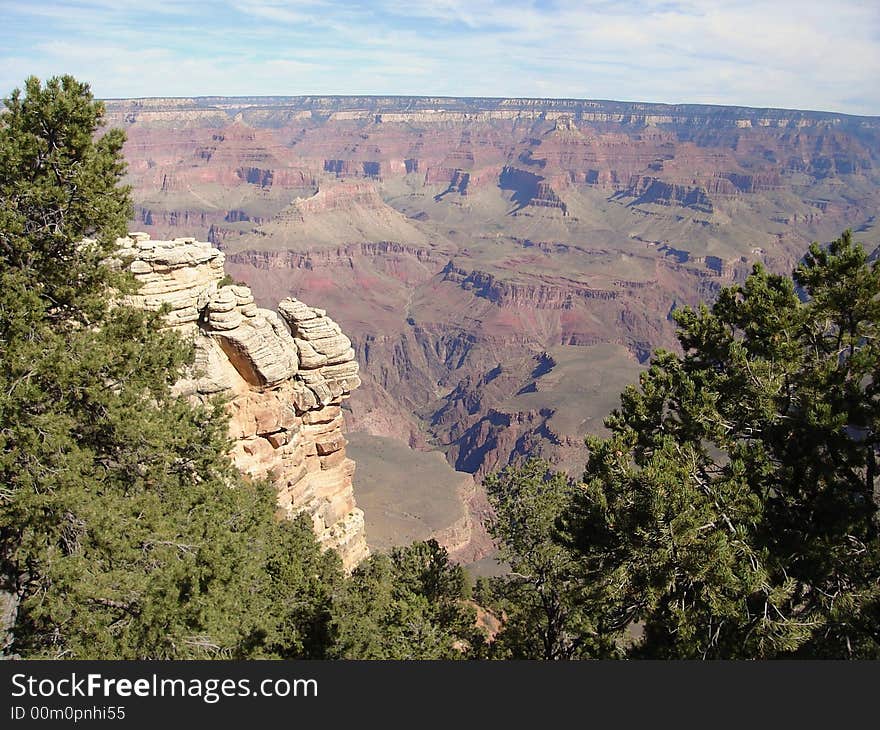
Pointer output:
x,y
548,99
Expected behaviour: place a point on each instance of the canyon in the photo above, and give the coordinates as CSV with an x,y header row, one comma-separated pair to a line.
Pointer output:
x,y
502,268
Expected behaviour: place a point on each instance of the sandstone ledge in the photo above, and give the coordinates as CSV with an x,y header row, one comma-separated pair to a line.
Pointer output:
x,y
284,377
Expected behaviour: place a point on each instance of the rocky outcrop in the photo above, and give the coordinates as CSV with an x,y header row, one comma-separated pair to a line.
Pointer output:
x,y
647,189
285,375
351,168
506,293
338,197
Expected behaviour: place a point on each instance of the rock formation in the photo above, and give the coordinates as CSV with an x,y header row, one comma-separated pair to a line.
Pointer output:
x,y
285,375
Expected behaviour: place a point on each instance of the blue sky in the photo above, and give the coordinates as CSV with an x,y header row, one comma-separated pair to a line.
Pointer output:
x,y
808,54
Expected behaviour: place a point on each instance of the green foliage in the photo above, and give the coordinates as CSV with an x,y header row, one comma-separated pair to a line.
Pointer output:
x,y
59,184
125,532
410,604
228,279
552,609
734,507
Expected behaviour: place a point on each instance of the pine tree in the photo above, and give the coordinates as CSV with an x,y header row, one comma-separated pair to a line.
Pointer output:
x,y
552,609
409,604
734,507
60,185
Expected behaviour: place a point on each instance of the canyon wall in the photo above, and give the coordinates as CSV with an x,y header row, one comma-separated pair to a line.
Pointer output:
x,y
503,267
284,375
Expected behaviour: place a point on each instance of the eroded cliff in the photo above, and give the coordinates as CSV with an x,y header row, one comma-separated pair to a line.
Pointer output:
x,y
284,375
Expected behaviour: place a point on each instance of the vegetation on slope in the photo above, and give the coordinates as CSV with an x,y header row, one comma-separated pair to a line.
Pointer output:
x,y
733,511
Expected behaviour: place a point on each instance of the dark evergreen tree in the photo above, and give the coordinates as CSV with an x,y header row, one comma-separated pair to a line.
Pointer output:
x,y
60,185
734,507
410,604
552,608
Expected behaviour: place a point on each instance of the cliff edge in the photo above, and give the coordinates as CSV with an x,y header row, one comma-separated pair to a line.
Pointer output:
x,y
284,374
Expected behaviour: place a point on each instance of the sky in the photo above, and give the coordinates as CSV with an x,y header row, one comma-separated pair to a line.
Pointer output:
x,y
796,54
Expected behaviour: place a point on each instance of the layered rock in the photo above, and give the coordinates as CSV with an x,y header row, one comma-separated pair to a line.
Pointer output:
x,y
483,232
284,374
